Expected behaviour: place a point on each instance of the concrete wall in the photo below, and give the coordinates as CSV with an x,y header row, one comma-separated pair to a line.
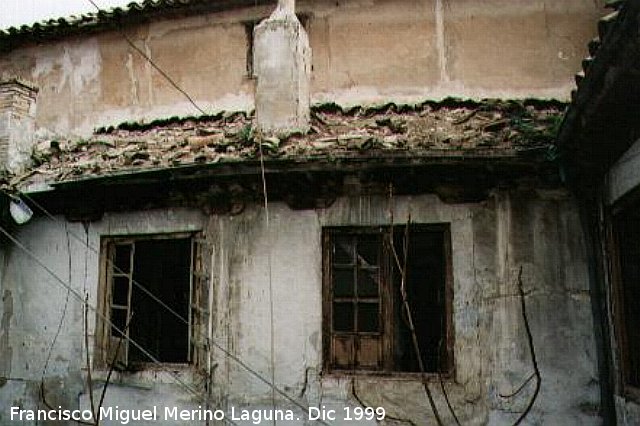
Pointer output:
x,y
536,231
364,51
439,48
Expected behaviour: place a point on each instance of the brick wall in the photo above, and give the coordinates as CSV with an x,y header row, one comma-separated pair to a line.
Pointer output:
x,y
17,121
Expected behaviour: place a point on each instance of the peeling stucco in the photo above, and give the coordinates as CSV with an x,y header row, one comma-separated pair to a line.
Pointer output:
x,y
491,240
439,49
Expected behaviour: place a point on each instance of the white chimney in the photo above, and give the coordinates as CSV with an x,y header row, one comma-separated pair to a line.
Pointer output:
x,y
287,5
17,124
282,65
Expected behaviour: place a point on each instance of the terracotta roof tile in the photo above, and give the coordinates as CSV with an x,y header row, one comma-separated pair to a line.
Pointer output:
x,y
135,12
499,127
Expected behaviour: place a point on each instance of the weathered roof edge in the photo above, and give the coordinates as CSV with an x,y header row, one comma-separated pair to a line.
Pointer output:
x,y
499,129
311,183
448,102
524,158
115,18
612,30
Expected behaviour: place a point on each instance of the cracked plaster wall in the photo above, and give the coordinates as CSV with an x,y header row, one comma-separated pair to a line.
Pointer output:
x,y
538,231
473,49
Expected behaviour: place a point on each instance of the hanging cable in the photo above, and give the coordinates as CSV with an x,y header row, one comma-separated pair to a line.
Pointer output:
x,y
402,267
154,65
271,384
43,393
271,305
218,346
103,317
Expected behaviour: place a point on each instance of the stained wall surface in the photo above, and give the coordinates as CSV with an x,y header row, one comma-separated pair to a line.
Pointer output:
x,y
364,51
537,232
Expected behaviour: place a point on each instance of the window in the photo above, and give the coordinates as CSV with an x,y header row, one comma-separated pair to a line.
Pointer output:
x,y
365,323
137,273
627,278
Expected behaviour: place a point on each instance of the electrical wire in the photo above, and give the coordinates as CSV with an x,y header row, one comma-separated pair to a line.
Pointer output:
x,y
62,315
271,305
195,105
103,317
402,267
217,345
154,65
43,393
271,384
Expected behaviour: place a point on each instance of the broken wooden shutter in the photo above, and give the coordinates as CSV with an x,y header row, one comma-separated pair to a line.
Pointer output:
x,y
120,279
201,254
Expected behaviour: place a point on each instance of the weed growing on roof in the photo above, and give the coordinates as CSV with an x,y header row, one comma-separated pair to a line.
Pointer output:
x,y
534,130
246,135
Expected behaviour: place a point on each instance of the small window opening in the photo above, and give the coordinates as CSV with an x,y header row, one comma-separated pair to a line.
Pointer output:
x,y
140,272
249,26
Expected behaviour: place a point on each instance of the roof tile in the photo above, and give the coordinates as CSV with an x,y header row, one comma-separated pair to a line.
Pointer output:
x,y
439,129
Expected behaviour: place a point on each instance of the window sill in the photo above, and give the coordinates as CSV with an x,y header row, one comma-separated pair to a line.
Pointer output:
x,y
162,366
388,375
146,375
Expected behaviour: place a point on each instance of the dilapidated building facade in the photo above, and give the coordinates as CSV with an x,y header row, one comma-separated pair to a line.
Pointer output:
x,y
598,141
337,204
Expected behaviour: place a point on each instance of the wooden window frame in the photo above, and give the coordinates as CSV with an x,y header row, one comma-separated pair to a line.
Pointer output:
x,y
447,369
617,288
199,288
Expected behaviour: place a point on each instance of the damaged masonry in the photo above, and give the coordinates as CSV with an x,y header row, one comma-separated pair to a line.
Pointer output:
x,y
346,212
467,128
490,134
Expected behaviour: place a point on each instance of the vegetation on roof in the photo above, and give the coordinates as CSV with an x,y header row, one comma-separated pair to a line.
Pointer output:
x,y
437,128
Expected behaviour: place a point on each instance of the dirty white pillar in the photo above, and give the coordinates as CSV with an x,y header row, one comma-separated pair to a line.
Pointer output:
x,y
288,5
17,124
282,66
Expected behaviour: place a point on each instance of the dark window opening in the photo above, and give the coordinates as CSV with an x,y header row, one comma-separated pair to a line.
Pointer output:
x,y
140,272
366,325
249,26
425,288
163,268
627,227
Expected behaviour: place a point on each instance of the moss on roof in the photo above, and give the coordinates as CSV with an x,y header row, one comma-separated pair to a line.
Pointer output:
x,y
502,128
